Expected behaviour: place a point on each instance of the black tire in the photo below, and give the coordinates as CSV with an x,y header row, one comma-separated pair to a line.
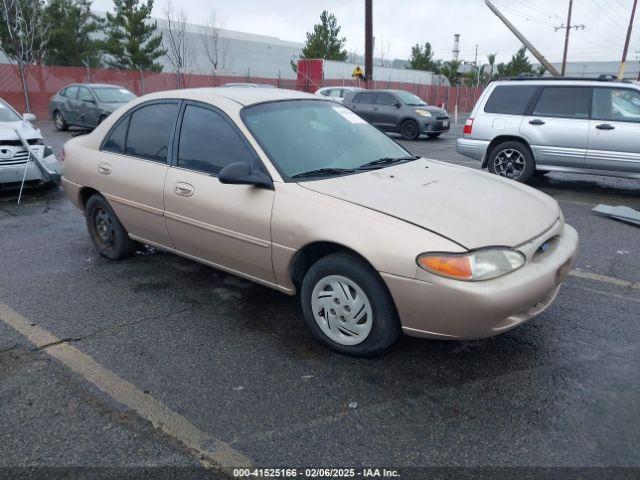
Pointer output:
x,y
385,327
410,130
433,135
523,152
59,121
107,233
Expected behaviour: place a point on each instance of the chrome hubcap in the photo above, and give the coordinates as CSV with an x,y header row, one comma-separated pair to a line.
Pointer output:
x,y
58,120
509,163
342,310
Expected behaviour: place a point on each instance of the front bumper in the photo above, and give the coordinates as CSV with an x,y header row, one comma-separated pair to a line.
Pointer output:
x,y
15,173
476,149
436,125
437,307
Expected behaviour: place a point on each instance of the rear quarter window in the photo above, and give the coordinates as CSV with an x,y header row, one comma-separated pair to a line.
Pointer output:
x,y
510,99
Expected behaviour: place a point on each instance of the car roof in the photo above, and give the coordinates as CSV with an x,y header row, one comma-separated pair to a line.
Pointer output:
x,y
586,82
242,95
92,85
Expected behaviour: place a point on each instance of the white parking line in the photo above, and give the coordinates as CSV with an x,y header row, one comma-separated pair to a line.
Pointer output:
x,y
211,452
604,279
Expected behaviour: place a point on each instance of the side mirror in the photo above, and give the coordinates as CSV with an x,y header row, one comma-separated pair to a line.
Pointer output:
x,y
241,173
397,104
29,117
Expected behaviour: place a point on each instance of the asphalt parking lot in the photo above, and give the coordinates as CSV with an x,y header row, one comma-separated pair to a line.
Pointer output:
x,y
234,361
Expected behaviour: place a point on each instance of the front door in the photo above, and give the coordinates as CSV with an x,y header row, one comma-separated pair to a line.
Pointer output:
x,y
132,166
614,131
228,226
557,128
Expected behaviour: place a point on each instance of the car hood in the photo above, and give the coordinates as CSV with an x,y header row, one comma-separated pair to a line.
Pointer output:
x,y
28,131
472,208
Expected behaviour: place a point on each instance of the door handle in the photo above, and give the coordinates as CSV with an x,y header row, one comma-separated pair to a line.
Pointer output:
x,y
537,121
183,189
605,126
104,168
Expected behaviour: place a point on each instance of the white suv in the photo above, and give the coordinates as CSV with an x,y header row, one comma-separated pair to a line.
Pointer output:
x,y
523,126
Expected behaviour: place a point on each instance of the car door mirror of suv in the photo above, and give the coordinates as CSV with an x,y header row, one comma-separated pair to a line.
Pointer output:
x,y
241,173
397,104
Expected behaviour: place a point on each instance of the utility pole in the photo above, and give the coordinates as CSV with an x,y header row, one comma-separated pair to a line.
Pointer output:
x,y
475,62
626,43
568,28
545,63
368,40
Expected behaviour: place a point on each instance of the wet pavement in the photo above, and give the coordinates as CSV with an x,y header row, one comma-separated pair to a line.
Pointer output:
x,y
236,361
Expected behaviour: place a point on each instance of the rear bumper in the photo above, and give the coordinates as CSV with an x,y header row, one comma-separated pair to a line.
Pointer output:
x,y
450,309
476,149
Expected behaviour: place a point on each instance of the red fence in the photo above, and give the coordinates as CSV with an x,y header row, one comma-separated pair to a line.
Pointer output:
x,y
44,81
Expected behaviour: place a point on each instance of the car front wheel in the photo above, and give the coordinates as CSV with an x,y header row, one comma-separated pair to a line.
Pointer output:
x,y
512,160
347,306
410,130
107,233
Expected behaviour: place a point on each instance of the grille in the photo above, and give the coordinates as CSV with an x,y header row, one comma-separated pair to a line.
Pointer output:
x,y
19,158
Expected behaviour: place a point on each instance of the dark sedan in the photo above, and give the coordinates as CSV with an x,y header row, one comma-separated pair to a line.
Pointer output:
x,y
399,111
86,105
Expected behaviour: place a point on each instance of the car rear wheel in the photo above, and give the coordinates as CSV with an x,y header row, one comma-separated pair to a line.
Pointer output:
x,y
410,130
512,160
107,233
59,121
347,306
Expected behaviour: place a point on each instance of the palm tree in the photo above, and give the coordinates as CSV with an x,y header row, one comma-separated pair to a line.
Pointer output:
x,y
491,58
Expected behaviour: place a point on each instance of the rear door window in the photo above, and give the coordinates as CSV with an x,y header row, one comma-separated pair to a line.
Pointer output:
x,y
150,130
510,99
367,98
115,141
563,102
71,92
84,95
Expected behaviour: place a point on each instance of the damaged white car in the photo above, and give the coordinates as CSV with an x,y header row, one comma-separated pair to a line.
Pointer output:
x,y
17,136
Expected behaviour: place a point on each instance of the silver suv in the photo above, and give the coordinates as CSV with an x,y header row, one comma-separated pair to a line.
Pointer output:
x,y
525,126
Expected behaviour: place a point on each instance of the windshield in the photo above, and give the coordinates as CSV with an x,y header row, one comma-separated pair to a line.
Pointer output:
x,y
306,135
7,114
113,95
410,99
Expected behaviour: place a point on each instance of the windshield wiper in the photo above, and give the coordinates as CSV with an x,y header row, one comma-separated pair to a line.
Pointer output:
x,y
323,171
387,161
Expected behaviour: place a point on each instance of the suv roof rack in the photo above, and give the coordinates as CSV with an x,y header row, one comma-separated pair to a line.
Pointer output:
x,y
601,78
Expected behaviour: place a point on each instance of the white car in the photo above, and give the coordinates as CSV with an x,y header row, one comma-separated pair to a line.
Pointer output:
x,y
336,94
42,168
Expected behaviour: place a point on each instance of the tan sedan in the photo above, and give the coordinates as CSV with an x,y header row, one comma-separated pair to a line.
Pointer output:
x,y
301,195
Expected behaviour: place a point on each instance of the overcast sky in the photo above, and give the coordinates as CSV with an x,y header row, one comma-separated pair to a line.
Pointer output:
x,y
400,24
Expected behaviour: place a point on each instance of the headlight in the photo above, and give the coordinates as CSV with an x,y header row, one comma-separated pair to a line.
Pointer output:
x,y
474,266
423,113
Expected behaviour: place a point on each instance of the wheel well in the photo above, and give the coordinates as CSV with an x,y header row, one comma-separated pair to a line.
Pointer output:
x,y
310,254
508,138
85,194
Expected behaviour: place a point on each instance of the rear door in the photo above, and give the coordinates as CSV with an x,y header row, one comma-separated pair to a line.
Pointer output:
x,y
87,111
364,104
557,126
69,106
614,130
385,112
132,167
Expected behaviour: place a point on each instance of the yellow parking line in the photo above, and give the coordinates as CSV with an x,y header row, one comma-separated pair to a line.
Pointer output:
x,y
604,279
211,452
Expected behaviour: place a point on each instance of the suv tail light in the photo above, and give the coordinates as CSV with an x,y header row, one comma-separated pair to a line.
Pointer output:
x,y
468,126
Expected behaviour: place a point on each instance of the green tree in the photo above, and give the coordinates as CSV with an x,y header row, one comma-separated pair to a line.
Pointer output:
x,y
518,65
325,41
451,71
491,58
132,38
422,58
72,38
